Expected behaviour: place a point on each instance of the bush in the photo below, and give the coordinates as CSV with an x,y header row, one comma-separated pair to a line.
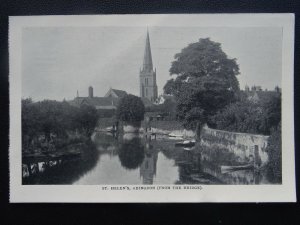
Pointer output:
x,y
248,117
41,121
87,118
130,109
275,155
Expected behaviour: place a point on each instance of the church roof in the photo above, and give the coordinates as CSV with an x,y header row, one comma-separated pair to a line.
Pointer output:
x,y
96,101
115,93
119,93
147,63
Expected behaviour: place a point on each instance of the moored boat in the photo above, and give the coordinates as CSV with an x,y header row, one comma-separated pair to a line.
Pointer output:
x,y
187,143
240,167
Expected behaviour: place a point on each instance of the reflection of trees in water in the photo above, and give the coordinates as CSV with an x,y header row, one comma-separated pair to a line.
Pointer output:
x,y
105,142
67,171
202,165
131,153
167,148
104,138
191,169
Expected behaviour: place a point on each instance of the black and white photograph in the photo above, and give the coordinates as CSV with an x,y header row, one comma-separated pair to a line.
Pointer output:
x,y
192,105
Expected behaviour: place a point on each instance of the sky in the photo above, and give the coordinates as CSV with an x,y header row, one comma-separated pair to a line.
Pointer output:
x,y
58,61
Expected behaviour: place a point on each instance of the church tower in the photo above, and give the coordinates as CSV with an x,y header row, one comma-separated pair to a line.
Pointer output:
x,y
148,87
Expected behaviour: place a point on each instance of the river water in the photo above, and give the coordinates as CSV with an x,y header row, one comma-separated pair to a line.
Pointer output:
x,y
134,159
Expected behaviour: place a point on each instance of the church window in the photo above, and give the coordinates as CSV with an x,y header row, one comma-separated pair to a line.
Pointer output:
x,y
146,92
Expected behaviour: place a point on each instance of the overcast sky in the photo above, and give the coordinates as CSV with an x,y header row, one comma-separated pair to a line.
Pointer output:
x,y
59,61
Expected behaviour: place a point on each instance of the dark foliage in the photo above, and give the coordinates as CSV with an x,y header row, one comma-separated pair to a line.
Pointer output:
x,y
87,118
106,113
54,119
131,153
167,109
130,108
249,117
275,155
205,81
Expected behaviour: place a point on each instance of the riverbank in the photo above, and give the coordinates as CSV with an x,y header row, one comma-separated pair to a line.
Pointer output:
x,y
160,127
55,148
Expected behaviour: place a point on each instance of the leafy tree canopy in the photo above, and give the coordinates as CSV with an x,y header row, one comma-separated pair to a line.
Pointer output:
x,y
249,117
130,109
205,81
52,117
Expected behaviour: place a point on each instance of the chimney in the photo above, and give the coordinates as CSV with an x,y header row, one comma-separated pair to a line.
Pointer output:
x,y
91,95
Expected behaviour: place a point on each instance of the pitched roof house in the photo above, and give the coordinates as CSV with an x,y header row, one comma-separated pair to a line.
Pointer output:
x,y
109,101
97,102
115,93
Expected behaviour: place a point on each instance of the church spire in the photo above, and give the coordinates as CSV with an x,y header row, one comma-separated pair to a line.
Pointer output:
x,y
147,64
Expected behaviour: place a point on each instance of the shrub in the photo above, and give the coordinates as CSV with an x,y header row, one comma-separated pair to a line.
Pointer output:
x,y
130,109
274,150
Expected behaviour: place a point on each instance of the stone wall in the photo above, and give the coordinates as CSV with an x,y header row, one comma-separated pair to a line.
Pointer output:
x,y
246,146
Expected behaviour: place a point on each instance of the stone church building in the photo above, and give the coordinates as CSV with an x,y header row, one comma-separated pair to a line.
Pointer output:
x,y
148,87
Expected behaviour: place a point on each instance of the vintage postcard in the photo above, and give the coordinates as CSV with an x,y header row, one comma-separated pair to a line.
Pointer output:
x,y
152,108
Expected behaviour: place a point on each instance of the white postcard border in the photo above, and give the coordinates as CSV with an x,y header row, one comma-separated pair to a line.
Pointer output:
x,y
208,193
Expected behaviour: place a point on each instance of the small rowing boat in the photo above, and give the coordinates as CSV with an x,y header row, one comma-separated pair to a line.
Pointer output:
x,y
187,144
175,135
240,167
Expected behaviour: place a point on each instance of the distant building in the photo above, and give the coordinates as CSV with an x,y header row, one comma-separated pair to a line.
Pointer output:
x,y
257,94
109,101
148,86
256,88
114,93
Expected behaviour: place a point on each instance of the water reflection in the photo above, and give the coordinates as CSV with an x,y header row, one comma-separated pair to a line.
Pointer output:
x,y
134,159
63,170
131,153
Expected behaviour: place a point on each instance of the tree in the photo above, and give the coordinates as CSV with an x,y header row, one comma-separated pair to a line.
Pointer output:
x,y
130,109
51,117
248,116
205,81
54,118
30,122
275,155
272,110
87,118
241,116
